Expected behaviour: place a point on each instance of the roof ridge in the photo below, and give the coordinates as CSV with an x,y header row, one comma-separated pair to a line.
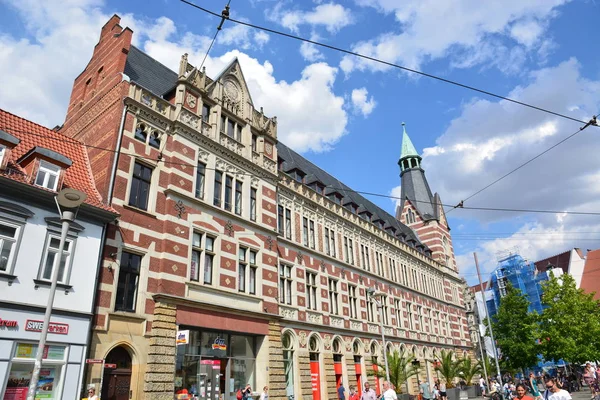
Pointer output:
x,y
153,59
27,120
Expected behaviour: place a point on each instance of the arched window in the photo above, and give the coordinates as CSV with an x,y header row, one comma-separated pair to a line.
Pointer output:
x,y
287,343
410,216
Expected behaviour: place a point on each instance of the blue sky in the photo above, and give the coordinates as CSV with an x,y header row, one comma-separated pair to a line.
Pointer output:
x,y
344,114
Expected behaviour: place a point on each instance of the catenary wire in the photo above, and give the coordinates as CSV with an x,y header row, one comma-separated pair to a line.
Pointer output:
x,y
224,16
390,64
75,142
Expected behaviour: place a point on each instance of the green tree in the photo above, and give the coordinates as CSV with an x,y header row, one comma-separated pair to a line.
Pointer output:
x,y
401,368
570,323
469,369
515,331
448,367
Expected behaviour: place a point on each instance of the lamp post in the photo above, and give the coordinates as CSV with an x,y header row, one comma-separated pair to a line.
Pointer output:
x,y
372,293
69,200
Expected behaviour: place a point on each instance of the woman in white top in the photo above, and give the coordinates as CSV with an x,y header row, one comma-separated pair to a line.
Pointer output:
x,y
265,393
92,394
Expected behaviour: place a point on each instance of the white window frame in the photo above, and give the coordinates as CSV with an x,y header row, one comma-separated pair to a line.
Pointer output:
x,y
286,284
49,170
68,263
2,153
14,248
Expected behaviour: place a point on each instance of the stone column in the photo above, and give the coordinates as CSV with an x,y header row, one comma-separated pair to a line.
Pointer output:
x,y
329,375
350,370
160,373
276,367
305,378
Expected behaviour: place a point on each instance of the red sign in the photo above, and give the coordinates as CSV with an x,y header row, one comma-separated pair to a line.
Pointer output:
x,y
53,327
110,365
8,324
94,361
315,380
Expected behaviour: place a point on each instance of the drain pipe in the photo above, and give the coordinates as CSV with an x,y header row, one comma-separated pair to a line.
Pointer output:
x,y
113,172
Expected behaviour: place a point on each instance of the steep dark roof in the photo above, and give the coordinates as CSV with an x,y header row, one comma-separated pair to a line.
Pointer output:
x,y
149,73
295,160
414,187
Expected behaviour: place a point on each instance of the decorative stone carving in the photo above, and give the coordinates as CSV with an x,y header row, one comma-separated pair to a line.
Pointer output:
x,y
191,100
299,257
337,322
231,144
373,328
286,312
189,119
327,342
348,345
356,326
314,318
302,339
203,155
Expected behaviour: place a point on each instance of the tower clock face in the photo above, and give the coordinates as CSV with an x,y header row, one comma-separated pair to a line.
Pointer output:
x,y
231,90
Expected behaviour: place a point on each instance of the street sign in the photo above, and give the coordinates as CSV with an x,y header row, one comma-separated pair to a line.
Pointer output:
x,y
94,361
110,365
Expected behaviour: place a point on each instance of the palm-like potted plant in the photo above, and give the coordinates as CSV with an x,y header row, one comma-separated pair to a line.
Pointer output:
x,y
469,369
401,368
449,368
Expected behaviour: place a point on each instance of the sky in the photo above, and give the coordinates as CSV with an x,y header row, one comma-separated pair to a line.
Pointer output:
x,y
344,113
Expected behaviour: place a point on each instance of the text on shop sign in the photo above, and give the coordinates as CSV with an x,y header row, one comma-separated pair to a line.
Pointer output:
x,y
7,323
53,327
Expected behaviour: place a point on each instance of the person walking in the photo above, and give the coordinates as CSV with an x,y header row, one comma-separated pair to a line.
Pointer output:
x,y
521,390
265,393
341,392
442,388
92,394
353,395
535,390
481,385
388,392
368,393
425,390
553,392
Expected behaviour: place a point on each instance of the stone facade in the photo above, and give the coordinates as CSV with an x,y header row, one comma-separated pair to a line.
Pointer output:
x,y
161,354
276,369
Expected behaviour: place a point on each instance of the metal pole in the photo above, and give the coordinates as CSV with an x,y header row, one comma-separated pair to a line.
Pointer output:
x,y
67,217
387,369
483,360
488,316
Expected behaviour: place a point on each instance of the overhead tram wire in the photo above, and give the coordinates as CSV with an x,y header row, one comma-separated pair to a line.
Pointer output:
x,y
224,16
390,64
592,121
274,180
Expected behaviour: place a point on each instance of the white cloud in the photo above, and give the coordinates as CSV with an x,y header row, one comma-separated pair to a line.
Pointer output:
x,y
310,52
395,193
331,16
361,101
481,32
37,76
242,36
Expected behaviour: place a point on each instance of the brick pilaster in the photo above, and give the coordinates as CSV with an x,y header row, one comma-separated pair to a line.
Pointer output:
x,y
329,375
305,381
160,372
276,367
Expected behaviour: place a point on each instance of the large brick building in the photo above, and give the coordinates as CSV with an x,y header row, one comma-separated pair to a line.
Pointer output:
x,y
255,258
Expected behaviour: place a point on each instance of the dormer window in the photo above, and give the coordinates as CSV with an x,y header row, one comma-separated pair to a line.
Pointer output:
x,y
144,134
47,175
2,154
297,175
336,198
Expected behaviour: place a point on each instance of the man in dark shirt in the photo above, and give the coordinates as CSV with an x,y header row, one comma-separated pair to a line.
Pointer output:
x,y
341,391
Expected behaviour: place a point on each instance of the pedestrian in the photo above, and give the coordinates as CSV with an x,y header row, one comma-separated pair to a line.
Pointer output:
x,y
353,395
481,385
247,393
553,392
535,390
522,392
341,392
368,393
92,394
388,392
265,393
442,387
425,390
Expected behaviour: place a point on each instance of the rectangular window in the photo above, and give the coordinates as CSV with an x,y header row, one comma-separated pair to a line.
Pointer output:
x,y
311,291
409,316
327,250
202,248
332,234
228,192
2,153
353,300
288,223
393,271
230,128
254,143
305,230
238,197
364,252
370,308
346,257
398,309
47,175
280,220
379,261
200,178
311,236
51,259
205,112
333,297
218,188
252,204
384,310
127,286
252,273
242,269
223,123
285,284
351,251
420,317
8,245
140,186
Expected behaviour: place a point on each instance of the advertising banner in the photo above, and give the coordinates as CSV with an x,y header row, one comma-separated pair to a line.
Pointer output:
x,y
315,380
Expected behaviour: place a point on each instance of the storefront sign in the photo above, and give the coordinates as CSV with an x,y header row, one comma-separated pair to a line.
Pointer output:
x,y
315,380
219,344
183,337
29,350
53,327
94,361
8,324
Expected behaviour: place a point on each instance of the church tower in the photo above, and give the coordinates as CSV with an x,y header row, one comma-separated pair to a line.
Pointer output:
x,y
421,210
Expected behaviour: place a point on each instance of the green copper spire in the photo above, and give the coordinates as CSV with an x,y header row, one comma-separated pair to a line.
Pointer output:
x,y
408,149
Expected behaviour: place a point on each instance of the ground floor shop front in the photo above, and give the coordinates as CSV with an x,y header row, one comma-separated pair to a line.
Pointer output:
x,y
64,354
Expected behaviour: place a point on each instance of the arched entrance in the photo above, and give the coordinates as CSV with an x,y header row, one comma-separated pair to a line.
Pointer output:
x,y
314,348
117,381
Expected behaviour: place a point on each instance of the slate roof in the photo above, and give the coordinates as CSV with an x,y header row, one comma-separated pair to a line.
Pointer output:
x,y
414,187
31,135
294,160
149,73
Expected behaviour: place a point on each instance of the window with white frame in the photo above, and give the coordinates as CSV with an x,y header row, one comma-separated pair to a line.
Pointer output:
x,y
409,316
311,290
200,180
285,284
47,175
202,254
384,310
305,231
9,235
370,308
350,251
420,318
333,296
398,310
353,300
2,153
238,197
284,221
247,270
253,194
379,260
364,253
50,259
127,286
147,135
327,243
231,128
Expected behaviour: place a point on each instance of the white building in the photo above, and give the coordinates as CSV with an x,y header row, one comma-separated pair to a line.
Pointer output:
x,y
36,163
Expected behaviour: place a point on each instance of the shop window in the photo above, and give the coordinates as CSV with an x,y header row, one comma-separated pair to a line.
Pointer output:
x,y
333,296
51,259
285,284
140,186
127,286
50,383
9,235
200,179
253,204
247,270
47,175
202,254
311,291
